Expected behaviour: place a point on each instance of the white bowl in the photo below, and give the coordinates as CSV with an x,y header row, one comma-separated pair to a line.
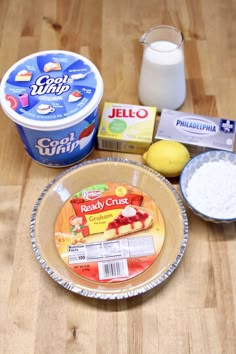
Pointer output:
x,y
190,169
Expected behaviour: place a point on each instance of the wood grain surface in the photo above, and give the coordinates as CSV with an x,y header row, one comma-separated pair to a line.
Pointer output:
x,y
194,312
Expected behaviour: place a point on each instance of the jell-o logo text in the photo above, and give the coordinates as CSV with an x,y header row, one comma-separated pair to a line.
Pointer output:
x,y
46,84
128,113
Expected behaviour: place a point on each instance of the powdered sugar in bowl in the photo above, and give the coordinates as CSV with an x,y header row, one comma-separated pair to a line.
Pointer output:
x,y
208,186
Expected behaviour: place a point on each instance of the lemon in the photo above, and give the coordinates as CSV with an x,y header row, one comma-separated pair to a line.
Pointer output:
x,y
167,157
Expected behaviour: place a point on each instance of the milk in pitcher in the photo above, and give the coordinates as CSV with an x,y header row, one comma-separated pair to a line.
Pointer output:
x,y
162,77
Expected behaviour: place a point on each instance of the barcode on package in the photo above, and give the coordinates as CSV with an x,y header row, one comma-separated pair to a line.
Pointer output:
x,y
111,145
116,269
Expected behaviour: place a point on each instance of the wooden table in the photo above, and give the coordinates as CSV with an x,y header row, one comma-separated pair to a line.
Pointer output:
x,y
194,312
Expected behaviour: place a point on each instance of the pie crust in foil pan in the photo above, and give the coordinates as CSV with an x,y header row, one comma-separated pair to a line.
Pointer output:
x,y
117,170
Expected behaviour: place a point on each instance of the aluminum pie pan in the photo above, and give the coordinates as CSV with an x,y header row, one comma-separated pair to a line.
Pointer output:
x,y
68,182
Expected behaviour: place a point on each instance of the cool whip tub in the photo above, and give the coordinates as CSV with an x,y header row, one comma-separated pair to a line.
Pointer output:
x,y
53,98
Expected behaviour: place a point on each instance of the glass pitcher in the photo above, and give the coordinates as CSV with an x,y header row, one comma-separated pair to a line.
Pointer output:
x,y
162,78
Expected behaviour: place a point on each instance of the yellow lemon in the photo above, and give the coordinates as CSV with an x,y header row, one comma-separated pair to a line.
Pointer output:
x,y
167,157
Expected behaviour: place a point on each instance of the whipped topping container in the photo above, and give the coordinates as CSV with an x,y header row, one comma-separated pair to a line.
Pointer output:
x,y
53,98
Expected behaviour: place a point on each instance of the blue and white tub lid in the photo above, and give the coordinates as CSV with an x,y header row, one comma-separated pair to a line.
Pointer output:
x,y
51,90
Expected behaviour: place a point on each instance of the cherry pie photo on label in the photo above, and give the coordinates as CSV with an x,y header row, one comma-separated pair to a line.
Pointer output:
x,y
109,232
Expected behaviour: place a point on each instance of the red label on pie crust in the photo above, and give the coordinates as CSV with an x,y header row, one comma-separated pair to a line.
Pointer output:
x,y
109,232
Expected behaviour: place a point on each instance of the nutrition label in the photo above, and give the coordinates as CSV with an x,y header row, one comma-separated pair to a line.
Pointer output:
x,y
115,249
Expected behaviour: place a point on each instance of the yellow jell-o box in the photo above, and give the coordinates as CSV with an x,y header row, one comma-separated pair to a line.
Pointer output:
x,y
126,128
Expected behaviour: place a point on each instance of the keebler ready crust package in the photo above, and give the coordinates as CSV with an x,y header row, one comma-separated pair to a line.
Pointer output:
x,y
89,227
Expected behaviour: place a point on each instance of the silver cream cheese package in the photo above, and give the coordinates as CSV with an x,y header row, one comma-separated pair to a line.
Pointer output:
x,y
199,133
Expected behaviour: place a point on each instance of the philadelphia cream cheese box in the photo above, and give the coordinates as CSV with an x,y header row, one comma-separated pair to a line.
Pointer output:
x,y
126,128
199,133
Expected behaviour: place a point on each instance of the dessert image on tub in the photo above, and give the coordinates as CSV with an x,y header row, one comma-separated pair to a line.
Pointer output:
x,y
45,108
23,75
109,232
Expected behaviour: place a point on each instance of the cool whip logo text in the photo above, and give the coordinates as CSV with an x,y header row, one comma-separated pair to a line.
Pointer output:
x,y
48,147
46,84
196,126
128,113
